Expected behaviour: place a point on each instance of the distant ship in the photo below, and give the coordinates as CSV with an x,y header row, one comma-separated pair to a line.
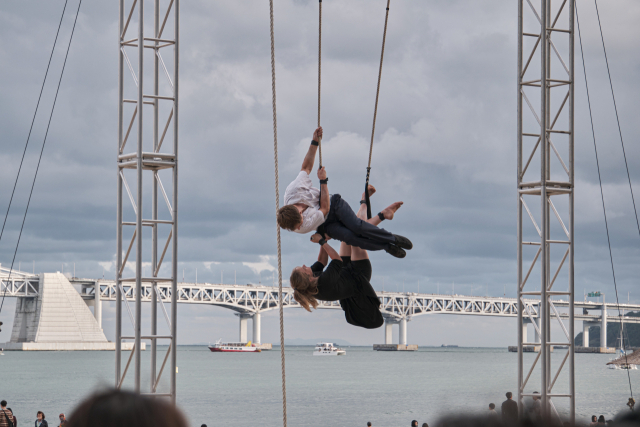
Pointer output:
x,y
234,347
328,349
449,345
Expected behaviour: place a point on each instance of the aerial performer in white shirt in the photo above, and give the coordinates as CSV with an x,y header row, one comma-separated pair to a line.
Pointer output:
x,y
308,209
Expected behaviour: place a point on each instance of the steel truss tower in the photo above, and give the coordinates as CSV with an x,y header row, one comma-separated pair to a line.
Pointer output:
x,y
153,109
545,139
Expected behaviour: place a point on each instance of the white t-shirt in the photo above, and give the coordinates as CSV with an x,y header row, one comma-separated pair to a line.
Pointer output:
x,y
302,191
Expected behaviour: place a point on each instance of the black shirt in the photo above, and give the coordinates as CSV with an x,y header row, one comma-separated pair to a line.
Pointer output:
x,y
341,281
335,283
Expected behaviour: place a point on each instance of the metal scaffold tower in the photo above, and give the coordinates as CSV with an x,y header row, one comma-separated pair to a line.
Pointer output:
x,y
153,109
545,239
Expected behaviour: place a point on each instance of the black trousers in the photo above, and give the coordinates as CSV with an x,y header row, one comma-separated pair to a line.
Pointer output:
x,y
343,224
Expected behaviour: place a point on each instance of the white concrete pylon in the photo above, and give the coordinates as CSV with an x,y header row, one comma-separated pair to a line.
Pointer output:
x,y
603,327
585,333
257,325
243,317
388,332
402,336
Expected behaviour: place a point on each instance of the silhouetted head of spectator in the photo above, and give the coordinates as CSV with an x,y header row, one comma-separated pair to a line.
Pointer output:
x,y
414,423
117,408
601,419
368,423
492,406
425,425
509,395
3,404
481,420
594,419
40,415
627,419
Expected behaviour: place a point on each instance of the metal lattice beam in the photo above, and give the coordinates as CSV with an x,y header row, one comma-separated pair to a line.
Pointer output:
x,y
545,135
148,156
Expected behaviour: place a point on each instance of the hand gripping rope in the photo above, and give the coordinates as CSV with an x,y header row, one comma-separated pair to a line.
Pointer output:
x,y
375,114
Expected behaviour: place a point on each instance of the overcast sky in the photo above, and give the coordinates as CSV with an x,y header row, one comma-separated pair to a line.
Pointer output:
x,y
445,145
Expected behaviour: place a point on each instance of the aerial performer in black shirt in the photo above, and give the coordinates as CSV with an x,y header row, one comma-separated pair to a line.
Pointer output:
x,y
346,279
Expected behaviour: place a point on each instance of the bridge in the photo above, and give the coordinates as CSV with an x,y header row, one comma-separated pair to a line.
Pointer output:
x,y
250,301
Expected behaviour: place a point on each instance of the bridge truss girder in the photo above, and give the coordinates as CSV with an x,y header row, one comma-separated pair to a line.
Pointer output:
x,y
540,133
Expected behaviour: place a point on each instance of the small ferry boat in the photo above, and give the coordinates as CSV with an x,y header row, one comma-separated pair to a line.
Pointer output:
x,y
328,349
234,347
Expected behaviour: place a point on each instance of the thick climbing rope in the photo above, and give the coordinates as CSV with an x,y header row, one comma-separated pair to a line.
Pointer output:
x,y
24,218
595,147
275,160
319,76
375,113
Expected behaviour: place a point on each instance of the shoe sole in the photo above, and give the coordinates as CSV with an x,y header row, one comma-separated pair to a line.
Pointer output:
x,y
403,242
400,254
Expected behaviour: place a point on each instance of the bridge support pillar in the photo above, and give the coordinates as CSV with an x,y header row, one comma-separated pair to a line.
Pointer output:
x,y
243,326
536,335
388,332
603,327
525,336
402,338
256,327
97,308
585,333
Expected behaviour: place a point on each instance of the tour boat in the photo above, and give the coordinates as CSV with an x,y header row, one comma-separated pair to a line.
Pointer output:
x,y
234,347
328,349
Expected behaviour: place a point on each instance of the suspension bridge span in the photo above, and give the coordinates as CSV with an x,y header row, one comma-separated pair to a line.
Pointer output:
x,y
250,301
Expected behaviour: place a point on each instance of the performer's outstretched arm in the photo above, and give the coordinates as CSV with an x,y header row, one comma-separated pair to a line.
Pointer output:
x,y
323,257
310,157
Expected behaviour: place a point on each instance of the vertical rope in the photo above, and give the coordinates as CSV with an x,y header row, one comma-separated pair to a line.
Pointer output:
x,y
319,74
604,209
24,152
275,160
375,113
44,142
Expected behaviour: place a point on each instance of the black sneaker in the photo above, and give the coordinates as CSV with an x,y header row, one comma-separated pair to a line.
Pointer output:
x,y
403,242
396,251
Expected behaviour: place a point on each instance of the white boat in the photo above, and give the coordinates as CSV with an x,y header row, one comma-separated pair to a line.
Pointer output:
x,y
234,347
328,349
620,353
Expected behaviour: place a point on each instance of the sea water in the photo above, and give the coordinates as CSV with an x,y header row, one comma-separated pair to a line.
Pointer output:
x,y
386,388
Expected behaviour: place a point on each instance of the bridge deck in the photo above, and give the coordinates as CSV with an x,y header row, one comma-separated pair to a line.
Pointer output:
x,y
252,298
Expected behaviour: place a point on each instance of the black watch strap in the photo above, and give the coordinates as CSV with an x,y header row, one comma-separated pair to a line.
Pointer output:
x,y
324,181
381,216
314,142
363,202
322,241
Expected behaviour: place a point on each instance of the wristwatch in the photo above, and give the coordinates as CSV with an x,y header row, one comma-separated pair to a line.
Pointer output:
x,y
324,181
